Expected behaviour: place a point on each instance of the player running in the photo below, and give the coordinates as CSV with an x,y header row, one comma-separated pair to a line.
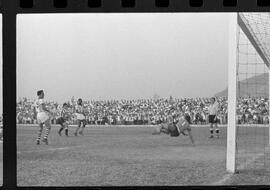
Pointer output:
x,y
174,130
79,112
63,119
43,117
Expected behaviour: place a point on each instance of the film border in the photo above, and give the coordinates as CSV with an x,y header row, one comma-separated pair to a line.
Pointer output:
x,y
115,6
9,10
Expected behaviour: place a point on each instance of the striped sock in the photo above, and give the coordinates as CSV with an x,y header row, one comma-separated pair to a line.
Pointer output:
x,y
39,133
48,128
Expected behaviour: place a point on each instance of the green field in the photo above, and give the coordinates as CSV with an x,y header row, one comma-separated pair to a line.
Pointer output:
x,y
121,156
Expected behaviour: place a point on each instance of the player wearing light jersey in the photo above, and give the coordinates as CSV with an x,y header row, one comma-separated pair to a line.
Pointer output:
x,y
174,130
213,111
63,119
42,116
79,112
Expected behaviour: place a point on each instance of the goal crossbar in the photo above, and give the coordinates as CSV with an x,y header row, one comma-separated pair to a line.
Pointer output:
x,y
242,22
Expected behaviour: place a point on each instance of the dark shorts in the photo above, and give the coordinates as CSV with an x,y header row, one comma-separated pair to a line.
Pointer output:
x,y
187,117
60,120
212,119
173,130
82,121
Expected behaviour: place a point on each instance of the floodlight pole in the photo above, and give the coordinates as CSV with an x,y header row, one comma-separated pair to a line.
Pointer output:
x,y
232,96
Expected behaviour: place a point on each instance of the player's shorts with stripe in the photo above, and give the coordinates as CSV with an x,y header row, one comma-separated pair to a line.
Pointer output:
x,y
172,129
42,117
212,119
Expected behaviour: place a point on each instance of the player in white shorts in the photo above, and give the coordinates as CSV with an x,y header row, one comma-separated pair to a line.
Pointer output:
x,y
42,116
79,112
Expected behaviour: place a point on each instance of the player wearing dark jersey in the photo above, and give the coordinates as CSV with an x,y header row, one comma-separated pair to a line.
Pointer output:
x,y
174,130
62,120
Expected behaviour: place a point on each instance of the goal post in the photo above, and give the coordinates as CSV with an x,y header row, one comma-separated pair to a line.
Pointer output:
x,y
248,130
232,87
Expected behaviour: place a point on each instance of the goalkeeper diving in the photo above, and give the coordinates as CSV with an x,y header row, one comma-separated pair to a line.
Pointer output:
x,y
175,129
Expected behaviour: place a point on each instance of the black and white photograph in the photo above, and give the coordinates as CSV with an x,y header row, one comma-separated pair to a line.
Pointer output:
x,y
143,99
1,107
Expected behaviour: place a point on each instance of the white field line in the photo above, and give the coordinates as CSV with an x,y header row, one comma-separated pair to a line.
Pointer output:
x,y
49,149
228,176
125,126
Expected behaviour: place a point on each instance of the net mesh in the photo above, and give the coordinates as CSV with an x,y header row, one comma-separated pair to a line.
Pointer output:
x,y
253,48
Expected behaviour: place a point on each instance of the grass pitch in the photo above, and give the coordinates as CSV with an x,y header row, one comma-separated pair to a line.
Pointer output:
x,y
123,156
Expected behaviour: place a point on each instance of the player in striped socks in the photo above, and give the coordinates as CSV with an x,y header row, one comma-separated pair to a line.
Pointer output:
x,y
62,120
43,117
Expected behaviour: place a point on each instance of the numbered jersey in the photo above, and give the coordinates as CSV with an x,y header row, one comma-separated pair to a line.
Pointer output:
x,y
39,106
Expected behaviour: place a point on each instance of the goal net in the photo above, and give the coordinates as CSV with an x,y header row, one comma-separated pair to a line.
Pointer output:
x,y
252,93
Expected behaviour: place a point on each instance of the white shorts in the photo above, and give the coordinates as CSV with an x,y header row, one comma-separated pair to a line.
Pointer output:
x,y
42,117
80,116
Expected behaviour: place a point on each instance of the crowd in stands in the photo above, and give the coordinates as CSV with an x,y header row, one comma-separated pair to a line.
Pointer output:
x,y
151,111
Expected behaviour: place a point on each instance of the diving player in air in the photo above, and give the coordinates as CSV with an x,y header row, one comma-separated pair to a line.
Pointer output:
x,y
42,116
174,130
79,111
63,119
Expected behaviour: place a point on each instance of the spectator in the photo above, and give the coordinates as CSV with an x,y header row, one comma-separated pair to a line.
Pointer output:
x,y
153,111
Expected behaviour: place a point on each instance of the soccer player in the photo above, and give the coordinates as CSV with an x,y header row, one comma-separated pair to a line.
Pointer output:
x,y
213,111
79,111
174,130
42,116
184,125
62,120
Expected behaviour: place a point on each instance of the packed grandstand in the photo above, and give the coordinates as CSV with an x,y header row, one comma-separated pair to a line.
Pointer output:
x,y
151,111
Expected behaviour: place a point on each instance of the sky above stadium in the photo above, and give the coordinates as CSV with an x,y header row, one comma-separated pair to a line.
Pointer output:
x,y
121,56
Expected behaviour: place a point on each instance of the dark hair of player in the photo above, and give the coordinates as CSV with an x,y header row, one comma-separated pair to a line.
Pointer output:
x,y
64,104
39,92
